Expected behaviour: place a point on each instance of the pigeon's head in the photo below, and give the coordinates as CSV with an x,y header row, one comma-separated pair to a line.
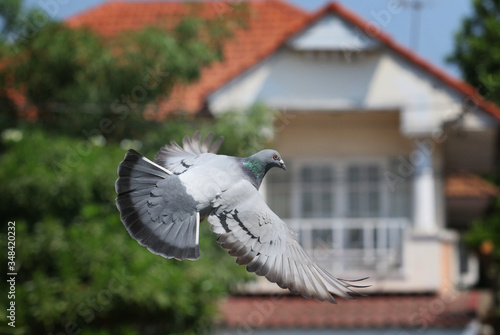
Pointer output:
x,y
257,165
271,158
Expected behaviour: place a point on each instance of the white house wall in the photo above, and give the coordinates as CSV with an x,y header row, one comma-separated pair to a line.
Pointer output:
x,y
338,105
338,82
317,135
292,80
337,135
425,102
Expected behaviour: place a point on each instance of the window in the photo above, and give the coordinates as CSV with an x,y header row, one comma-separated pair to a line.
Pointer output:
x,y
316,198
346,215
322,239
337,189
399,204
363,189
279,188
353,238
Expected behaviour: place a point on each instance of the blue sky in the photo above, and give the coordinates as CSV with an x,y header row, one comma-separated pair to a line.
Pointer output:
x,y
439,20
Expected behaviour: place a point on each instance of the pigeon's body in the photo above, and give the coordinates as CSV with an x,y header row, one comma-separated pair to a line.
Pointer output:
x,y
162,203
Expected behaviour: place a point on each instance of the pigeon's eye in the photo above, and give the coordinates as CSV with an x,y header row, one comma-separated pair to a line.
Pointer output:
x,y
275,157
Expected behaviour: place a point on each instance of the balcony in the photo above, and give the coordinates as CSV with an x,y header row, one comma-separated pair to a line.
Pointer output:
x,y
355,246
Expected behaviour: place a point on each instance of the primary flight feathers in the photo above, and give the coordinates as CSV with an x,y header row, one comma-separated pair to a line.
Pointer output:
x,y
162,203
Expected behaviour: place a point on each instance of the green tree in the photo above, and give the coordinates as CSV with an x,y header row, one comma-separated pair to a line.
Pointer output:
x,y
484,238
10,11
78,269
477,48
15,19
106,82
477,54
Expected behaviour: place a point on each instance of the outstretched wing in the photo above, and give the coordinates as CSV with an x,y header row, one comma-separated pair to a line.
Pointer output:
x,y
178,159
259,239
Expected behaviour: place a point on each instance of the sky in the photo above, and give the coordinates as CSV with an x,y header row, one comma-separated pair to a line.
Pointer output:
x,y
439,20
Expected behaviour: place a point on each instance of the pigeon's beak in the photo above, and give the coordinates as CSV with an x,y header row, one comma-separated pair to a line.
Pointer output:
x,y
282,165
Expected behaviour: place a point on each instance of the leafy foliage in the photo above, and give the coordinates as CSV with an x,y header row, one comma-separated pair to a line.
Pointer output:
x,y
477,54
86,77
477,48
11,11
484,238
65,71
78,269
77,264
17,22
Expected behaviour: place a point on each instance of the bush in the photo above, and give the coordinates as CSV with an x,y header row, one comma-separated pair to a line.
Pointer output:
x,y
78,269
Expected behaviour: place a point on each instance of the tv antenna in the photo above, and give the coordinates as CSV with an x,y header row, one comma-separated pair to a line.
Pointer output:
x,y
416,6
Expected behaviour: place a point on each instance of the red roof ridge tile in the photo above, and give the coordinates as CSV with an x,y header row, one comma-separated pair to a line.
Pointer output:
x,y
290,5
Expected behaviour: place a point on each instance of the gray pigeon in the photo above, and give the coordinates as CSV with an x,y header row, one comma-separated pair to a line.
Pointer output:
x,y
162,203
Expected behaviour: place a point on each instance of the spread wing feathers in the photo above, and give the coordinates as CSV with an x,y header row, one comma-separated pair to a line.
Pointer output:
x,y
178,159
144,190
267,246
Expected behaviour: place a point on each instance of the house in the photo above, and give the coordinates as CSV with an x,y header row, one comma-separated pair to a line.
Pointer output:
x,y
383,152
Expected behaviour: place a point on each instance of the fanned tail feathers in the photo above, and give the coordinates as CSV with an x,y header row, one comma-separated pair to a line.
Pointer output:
x,y
142,208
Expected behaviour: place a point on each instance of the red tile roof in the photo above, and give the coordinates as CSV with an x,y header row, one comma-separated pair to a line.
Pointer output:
x,y
271,24
468,185
405,311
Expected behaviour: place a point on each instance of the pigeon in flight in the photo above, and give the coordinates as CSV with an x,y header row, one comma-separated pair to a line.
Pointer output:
x,y
161,204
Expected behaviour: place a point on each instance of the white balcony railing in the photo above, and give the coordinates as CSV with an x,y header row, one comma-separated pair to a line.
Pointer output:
x,y
360,246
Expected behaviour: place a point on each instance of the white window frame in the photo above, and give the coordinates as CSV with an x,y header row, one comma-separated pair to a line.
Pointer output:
x,y
378,258
339,166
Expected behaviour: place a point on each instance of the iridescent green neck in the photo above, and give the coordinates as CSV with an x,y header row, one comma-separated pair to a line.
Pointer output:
x,y
256,169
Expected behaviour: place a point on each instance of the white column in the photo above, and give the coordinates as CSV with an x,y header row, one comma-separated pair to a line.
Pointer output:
x,y
424,196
